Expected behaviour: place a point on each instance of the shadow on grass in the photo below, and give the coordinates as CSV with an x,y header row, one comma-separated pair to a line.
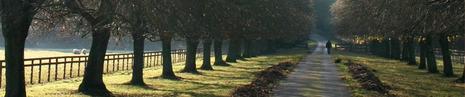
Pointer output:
x,y
177,78
226,77
172,93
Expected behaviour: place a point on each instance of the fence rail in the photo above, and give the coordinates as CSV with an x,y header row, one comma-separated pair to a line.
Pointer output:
x,y
456,55
49,69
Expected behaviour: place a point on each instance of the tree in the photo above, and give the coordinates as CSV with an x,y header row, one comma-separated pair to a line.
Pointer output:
x,y
134,15
416,21
212,19
16,18
101,23
162,25
191,27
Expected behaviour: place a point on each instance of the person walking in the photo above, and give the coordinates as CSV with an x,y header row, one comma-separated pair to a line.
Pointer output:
x,y
329,46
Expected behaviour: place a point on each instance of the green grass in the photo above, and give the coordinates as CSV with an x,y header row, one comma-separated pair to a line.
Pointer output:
x,y
405,80
217,83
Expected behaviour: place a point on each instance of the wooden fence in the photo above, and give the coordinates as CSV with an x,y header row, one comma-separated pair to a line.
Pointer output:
x,y
48,69
352,48
458,56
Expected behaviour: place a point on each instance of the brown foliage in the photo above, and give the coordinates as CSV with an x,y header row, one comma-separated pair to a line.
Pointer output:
x,y
263,85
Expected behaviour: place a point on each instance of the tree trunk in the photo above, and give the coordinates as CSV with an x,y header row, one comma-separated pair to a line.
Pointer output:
x,y
430,58
138,31
405,50
167,72
375,47
92,84
207,45
395,49
387,48
15,28
232,50
218,46
247,49
138,61
411,56
190,66
240,50
422,55
253,48
404,55
269,47
446,55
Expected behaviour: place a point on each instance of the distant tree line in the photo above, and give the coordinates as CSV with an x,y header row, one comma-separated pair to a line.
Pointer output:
x,y
395,29
252,27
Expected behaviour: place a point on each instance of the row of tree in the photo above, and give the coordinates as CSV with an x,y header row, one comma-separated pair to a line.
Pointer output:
x,y
252,27
394,28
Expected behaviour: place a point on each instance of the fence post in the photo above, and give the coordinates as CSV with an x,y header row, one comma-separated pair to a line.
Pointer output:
x,y
71,68
127,60
32,71
108,62
113,56
124,61
49,67
149,59
156,59
145,59
79,67
64,70
56,69
40,70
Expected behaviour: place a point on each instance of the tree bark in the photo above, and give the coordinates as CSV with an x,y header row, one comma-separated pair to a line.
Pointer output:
x,y
430,58
138,61
247,49
240,50
387,48
92,84
218,46
232,50
15,20
375,47
446,55
405,52
253,48
207,45
190,66
395,49
411,56
138,30
269,47
422,55
167,72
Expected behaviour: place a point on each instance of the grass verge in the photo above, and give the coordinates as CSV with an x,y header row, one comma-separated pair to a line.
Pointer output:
x,y
405,80
217,83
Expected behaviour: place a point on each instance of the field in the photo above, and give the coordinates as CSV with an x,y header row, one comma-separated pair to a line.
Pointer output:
x,y
35,53
219,82
38,53
405,80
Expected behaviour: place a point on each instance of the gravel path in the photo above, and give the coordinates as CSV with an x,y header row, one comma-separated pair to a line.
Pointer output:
x,y
315,76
